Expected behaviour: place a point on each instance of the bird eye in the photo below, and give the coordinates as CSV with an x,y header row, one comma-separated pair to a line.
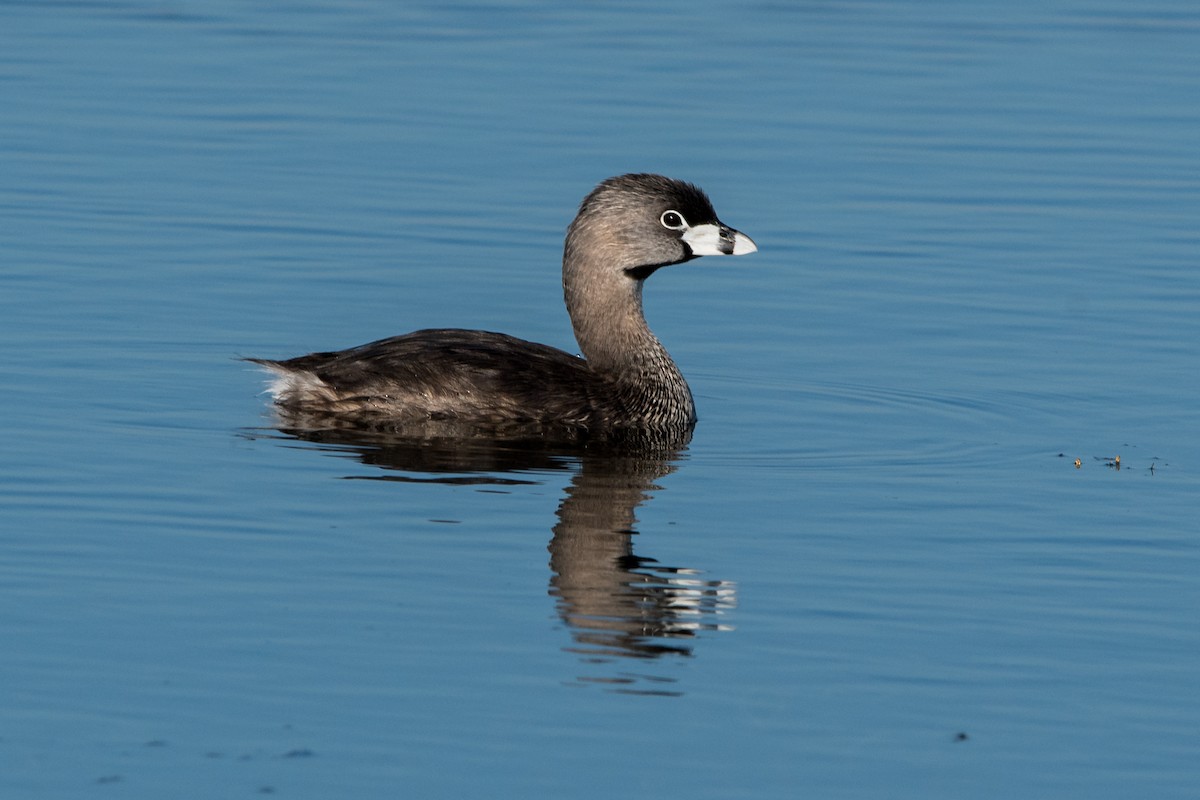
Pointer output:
x,y
673,220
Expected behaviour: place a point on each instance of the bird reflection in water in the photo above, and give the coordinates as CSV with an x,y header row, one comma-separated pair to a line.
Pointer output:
x,y
616,603
623,611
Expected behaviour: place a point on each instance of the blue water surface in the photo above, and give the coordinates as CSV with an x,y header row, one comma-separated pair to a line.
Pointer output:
x,y
876,571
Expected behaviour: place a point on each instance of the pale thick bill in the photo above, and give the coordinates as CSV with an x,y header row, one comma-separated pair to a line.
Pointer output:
x,y
717,240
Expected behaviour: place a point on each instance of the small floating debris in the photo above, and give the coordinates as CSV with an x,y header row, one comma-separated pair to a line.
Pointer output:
x,y
1114,462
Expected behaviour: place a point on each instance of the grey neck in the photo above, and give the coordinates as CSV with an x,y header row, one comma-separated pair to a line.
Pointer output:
x,y
605,304
613,334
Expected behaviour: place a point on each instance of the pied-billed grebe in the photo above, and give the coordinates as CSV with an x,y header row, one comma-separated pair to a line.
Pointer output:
x,y
627,228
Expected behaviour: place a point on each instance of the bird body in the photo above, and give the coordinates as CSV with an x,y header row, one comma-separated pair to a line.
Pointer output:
x,y
627,228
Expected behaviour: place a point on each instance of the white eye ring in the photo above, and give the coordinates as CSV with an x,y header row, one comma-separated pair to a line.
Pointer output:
x,y
673,220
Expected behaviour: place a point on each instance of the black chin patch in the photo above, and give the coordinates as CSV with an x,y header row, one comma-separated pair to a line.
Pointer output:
x,y
645,271
641,273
